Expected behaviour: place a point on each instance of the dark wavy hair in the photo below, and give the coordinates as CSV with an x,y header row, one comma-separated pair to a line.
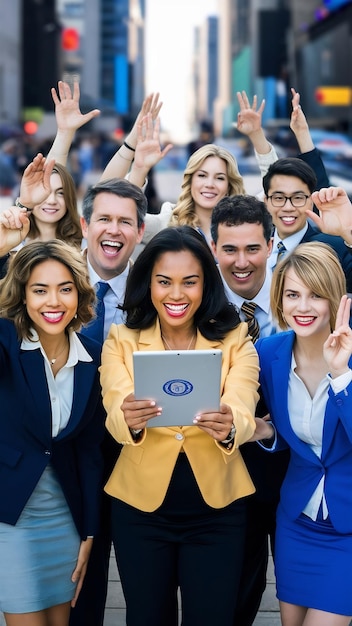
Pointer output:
x,y
215,316
13,286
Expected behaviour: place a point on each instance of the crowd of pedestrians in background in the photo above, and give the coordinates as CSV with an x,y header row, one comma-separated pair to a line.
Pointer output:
x,y
263,278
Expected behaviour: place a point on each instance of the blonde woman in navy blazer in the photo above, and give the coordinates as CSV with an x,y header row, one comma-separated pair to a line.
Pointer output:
x,y
51,423
306,381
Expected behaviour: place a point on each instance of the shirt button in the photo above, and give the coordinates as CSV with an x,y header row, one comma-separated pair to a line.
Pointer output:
x,y
179,437
339,402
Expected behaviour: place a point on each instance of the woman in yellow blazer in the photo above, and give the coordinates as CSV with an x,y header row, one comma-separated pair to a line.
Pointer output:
x,y
178,492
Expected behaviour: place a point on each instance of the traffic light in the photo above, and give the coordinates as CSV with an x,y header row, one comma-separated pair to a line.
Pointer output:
x,y
70,39
30,127
333,96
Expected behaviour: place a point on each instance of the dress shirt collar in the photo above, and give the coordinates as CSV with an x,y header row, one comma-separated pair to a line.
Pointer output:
x,y
262,299
77,350
117,284
291,242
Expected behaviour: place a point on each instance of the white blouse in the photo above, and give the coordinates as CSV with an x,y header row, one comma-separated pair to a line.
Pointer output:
x,y
60,386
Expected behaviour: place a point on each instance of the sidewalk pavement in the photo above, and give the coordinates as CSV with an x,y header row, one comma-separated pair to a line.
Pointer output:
x,y
115,614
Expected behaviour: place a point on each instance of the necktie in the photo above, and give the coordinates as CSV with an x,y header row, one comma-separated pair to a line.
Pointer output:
x,y
281,251
95,329
248,309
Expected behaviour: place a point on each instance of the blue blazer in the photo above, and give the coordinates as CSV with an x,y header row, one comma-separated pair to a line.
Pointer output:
x,y
26,443
305,469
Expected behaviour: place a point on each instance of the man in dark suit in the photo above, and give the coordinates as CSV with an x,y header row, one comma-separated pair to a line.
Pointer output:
x,y
112,225
241,229
288,187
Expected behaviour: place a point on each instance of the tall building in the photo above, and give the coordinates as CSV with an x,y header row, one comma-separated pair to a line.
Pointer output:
x,y
10,64
110,54
40,37
321,51
205,71
121,55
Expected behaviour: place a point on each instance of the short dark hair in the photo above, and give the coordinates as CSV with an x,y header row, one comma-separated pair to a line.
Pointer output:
x,y
215,316
238,210
291,166
118,187
13,286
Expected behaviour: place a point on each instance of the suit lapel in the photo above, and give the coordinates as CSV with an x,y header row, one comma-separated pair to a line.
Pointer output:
x,y
33,369
84,374
281,366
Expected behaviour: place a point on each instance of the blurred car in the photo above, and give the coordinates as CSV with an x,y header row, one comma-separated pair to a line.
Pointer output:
x,y
333,146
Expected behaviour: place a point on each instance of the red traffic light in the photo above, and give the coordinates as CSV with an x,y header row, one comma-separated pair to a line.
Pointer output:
x,y
70,39
30,127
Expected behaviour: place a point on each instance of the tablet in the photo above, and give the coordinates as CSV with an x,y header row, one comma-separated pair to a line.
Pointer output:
x,y
182,382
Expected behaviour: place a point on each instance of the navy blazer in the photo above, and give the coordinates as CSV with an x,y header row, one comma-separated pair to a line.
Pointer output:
x,y
26,442
313,158
305,468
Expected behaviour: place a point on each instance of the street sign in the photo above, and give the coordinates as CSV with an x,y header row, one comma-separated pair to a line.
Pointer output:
x,y
333,96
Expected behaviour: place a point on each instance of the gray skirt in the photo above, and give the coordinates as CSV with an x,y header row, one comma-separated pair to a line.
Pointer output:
x,y
39,553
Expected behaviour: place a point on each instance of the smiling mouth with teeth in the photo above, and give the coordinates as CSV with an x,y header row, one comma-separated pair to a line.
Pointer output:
x,y
177,308
108,245
241,275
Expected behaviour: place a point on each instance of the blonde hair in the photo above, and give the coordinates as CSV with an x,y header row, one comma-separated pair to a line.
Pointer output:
x,y
318,267
184,212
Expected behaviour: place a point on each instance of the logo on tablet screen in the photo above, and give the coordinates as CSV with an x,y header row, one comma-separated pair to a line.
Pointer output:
x,y
178,387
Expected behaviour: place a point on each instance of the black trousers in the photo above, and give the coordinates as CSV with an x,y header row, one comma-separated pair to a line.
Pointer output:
x,y
90,607
260,529
184,544
267,472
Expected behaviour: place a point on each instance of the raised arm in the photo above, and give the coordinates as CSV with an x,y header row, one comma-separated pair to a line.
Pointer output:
x,y
308,152
68,119
299,124
249,122
148,150
120,163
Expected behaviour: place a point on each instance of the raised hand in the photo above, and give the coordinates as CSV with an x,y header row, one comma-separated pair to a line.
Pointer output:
x,y
249,118
299,124
14,228
148,149
335,212
67,111
150,105
338,346
35,183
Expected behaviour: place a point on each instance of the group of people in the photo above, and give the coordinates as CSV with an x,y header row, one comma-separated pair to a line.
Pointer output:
x,y
265,280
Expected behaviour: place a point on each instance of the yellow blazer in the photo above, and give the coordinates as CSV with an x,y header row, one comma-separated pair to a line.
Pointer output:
x,y
143,470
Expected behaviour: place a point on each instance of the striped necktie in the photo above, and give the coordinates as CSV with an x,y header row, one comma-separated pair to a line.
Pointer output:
x,y
281,251
248,309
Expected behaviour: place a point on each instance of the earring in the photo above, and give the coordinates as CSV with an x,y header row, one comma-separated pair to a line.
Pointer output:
x,y
75,316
